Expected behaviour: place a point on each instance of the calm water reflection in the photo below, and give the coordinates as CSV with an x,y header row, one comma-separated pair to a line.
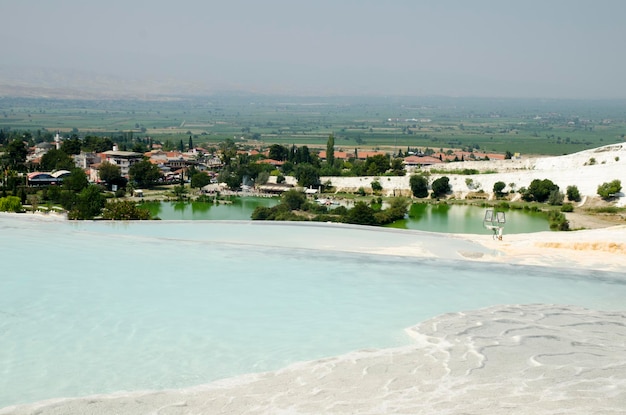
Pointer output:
x,y
422,216
467,219
240,208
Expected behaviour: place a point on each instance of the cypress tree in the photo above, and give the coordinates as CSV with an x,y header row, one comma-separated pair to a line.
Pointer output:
x,y
330,150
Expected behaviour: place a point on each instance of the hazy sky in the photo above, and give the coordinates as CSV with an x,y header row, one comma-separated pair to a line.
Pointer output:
x,y
522,48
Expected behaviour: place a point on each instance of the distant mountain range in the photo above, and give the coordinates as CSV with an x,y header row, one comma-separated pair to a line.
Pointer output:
x,y
73,84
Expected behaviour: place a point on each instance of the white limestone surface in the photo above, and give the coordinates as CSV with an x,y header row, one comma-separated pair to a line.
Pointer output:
x,y
523,359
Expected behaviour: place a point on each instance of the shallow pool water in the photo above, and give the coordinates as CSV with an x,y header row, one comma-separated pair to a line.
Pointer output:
x,y
97,307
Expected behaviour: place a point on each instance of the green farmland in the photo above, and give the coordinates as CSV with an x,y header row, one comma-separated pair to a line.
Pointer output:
x,y
526,126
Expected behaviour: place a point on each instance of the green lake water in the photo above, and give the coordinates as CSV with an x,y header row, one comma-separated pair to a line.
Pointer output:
x,y
468,219
422,216
239,208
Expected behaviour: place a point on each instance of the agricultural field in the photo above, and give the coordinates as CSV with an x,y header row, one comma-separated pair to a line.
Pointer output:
x,y
549,127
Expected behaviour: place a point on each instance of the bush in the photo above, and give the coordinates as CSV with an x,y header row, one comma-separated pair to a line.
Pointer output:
x,y
376,186
498,188
261,213
558,221
10,204
608,190
124,210
200,179
293,199
419,186
573,194
567,207
441,186
87,204
361,214
539,190
555,198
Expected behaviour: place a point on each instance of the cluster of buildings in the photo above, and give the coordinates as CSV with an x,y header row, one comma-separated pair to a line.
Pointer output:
x,y
174,163
171,163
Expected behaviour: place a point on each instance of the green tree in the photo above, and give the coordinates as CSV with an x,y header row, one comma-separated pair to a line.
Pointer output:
x,y
139,147
556,197
300,155
228,151
190,143
376,186
180,191
307,175
498,188
230,176
56,160
71,146
262,177
330,150
109,173
397,166
294,199
76,181
539,190
573,194
89,204
144,173
608,190
278,152
97,144
361,214
558,221
15,155
10,204
377,165
397,210
419,185
441,186
200,179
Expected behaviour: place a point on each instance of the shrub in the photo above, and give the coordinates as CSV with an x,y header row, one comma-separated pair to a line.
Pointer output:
x,y
573,194
498,188
293,199
608,190
556,197
539,190
419,186
558,221
567,207
376,186
441,186
10,204
124,210
201,179
361,214
261,213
